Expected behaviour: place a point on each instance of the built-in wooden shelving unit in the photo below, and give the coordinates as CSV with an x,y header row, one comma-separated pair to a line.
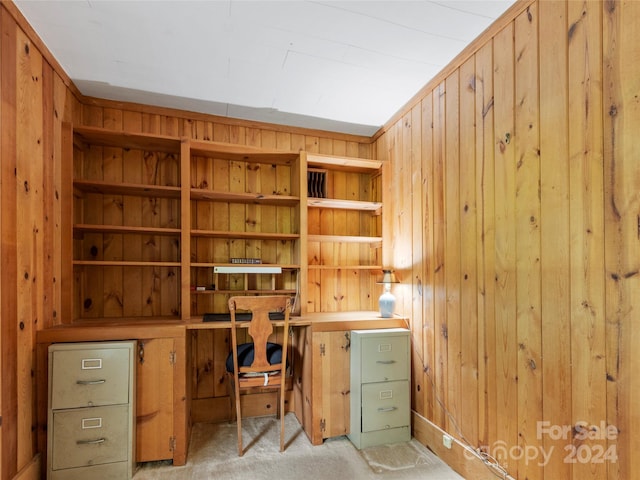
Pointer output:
x,y
153,216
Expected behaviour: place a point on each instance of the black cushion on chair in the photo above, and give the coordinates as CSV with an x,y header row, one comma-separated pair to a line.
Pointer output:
x,y
245,355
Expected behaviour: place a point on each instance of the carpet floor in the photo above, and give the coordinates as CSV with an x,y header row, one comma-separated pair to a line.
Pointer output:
x,y
213,455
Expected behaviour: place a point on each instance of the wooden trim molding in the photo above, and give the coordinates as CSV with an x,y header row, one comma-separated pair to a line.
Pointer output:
x,y
31,471
457,457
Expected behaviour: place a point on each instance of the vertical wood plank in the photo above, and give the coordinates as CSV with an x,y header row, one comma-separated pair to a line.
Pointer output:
x,y
556,241
49,204
505,243
439,375
485,238
417,272
588,352
68,305
622,177
62,194
429,321
452,249
467,212
8,248
185,235
29,204
112,162
528,254
132,162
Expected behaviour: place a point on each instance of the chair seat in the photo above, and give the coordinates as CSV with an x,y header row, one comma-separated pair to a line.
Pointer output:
x,y
246,354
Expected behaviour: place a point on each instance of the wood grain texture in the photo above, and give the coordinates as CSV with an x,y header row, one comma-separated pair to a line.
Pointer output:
x,y
452,249
556,241
423,371
528,251
485,244
468,261
586,176
620,87
154,399
555,222
11,425
587,225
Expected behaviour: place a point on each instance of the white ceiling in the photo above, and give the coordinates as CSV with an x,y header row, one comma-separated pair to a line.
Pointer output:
x,y
345,66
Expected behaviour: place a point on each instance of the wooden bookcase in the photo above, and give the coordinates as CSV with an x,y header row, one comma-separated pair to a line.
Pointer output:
x,y
245,205
153,215
344,233
126,254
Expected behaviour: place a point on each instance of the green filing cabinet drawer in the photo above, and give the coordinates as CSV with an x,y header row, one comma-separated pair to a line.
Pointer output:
x,y
90,436
384,405
380,403
384,358
91,377
107,471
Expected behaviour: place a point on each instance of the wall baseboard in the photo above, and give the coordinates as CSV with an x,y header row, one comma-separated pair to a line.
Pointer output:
x,y
457,457
31,471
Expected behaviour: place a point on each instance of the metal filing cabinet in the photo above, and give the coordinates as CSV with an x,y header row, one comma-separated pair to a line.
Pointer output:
x,y
380,393
91,421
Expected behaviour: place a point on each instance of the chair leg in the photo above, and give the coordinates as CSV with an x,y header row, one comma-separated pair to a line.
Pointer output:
x,y
238,420
232,405
281,408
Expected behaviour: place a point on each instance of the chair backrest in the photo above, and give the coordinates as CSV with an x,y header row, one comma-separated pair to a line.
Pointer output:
x,y
260,328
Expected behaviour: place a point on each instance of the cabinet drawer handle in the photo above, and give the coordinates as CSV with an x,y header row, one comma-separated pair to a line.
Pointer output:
x,y
90,442
90,382
387,409
386,362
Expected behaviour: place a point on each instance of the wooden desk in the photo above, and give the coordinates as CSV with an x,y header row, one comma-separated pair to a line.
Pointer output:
x,y
320,390
321,322
322,386
162,396
321,374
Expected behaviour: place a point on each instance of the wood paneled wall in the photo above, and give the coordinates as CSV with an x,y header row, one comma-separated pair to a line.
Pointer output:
x,y
37,97
35,100
511,215
514,226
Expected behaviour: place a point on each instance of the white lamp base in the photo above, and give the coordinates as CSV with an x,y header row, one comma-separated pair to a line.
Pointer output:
x,y
387,303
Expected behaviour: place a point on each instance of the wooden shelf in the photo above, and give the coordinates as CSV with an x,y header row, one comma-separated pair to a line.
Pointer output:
x,y
345,267
345,239
87,136
336,203
244,292
115,229
250,198
242,153
122,188
211,265
218,167
350,164
244,235
124,263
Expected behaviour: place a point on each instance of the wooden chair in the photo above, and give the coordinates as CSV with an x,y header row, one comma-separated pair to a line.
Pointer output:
x,y
258,363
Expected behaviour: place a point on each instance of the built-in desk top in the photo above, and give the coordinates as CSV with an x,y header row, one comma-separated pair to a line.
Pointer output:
x,y
320,322
123,330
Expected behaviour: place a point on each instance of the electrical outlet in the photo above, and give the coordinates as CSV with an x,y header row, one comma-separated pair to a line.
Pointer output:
x,y
447,441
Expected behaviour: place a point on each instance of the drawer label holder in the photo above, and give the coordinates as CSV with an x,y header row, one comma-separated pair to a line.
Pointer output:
x,y
91,363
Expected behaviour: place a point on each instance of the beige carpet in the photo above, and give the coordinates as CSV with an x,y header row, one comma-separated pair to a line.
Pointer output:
x,y
213,455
